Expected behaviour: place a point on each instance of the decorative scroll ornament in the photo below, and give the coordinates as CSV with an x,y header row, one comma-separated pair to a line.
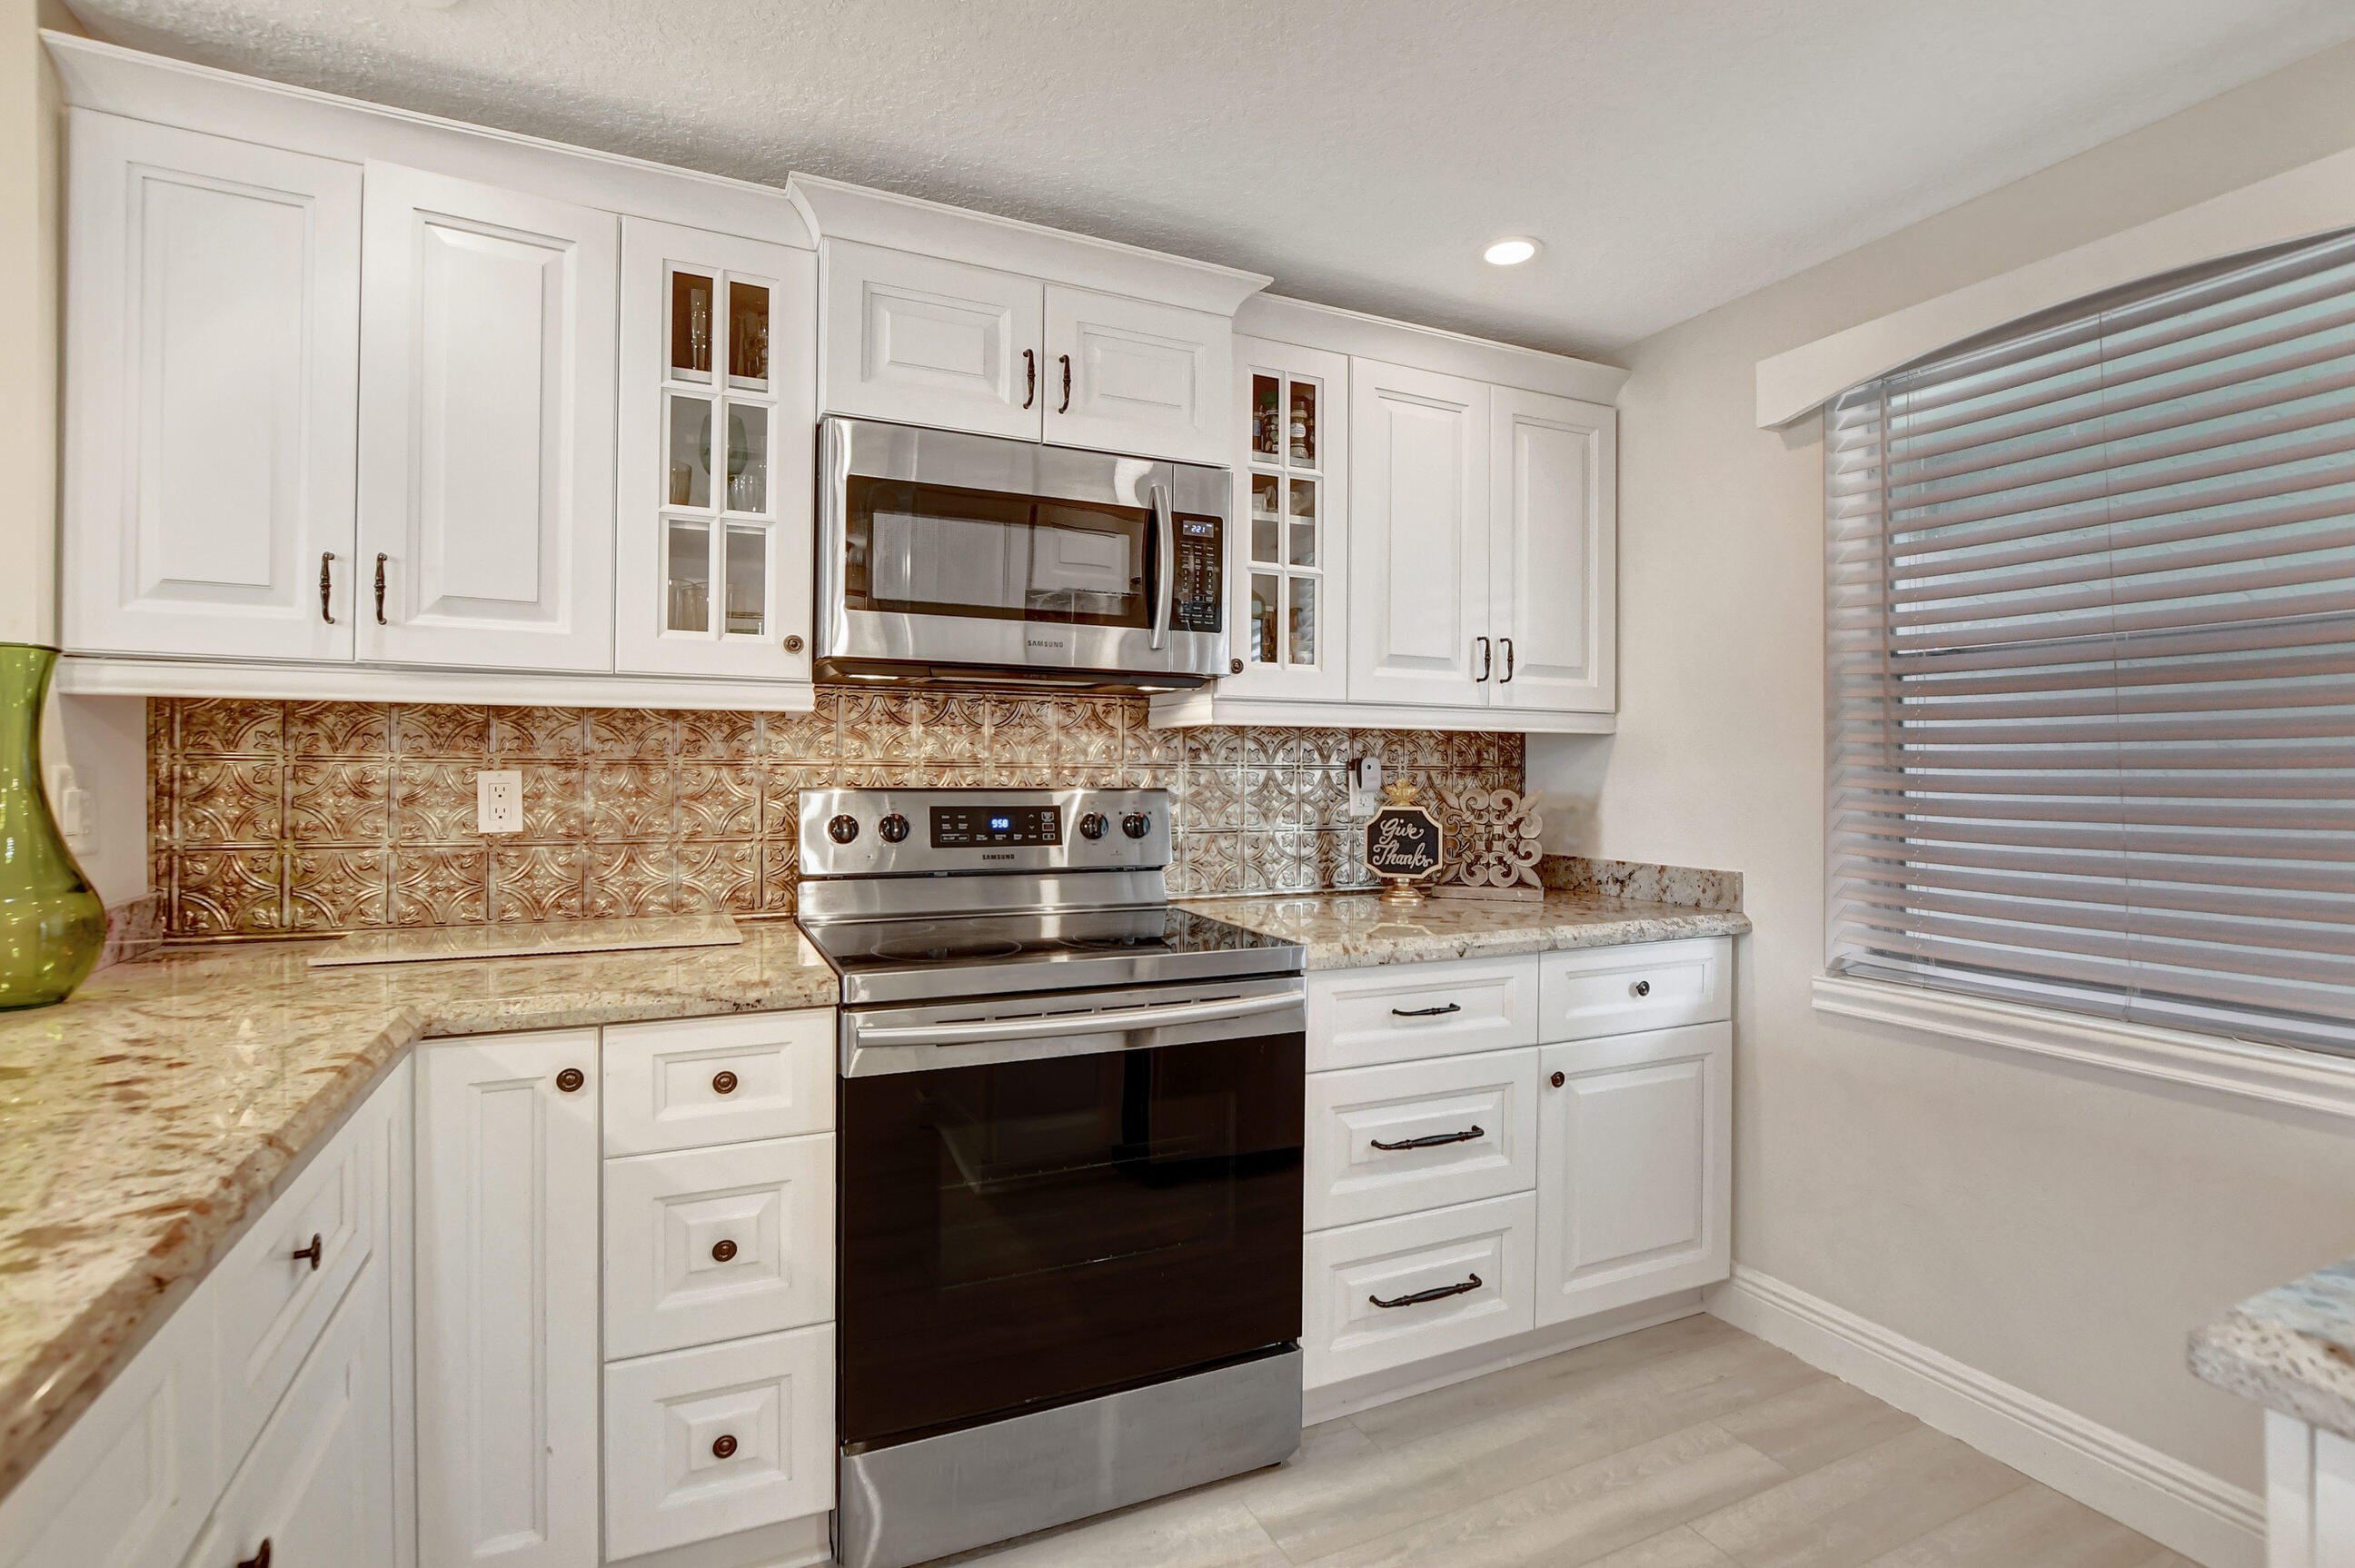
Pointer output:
x,y
1405,844
1494,835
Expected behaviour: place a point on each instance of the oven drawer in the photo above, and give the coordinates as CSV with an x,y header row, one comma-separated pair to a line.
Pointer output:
x,y
715,1243
1400,1012
1643,986
1345,1334
1492,1096
693,1083
704,1442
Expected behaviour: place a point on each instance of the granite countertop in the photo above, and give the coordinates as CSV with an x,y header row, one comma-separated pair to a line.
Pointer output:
x,y
1350,930
144,1121
2291,1350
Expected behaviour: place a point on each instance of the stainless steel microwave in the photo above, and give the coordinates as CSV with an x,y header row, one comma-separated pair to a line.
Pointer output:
x,y
944,556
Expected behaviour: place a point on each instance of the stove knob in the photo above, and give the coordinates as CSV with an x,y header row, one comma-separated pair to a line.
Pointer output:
x,y
1092,825
1137,825
893,828
843,828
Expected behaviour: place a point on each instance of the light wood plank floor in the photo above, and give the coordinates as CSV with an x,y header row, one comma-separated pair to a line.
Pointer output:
x,y
1687,1446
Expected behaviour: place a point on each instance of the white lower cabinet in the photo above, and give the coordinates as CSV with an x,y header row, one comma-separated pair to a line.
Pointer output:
x,y
705,1443
506,1300
2309,1494
1458,1194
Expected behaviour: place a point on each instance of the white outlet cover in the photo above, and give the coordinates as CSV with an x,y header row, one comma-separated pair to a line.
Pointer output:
x,y
498,800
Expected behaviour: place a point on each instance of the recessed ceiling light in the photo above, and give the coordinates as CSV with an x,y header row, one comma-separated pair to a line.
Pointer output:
x,y
1510,252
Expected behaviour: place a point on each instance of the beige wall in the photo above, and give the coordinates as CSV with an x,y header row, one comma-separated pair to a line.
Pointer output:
x,y
2062,1233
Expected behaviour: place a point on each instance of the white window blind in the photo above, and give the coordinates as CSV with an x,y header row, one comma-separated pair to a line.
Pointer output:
x,y
2092,680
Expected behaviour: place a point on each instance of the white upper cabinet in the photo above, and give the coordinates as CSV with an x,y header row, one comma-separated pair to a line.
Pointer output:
x,y
1290,571
1419,536
487,426
919,341
1552,490
212,338
718,397
1125,375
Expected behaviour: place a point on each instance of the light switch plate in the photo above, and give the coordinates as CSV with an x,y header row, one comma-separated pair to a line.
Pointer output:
x,y
498,800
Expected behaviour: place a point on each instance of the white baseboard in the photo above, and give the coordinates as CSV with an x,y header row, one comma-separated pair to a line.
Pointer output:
x,y
1346,1398
2185,1509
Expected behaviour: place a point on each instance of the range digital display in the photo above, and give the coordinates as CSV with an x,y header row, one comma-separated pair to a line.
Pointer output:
x,y
970,827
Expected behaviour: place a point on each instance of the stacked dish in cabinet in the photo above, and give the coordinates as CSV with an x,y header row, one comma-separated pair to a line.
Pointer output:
x,y
1501,1146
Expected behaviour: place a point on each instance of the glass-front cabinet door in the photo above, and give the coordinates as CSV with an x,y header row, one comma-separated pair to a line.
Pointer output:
x,y
719,405
1289,554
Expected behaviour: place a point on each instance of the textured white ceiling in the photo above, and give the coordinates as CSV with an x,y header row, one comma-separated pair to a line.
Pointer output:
x,y
1672,155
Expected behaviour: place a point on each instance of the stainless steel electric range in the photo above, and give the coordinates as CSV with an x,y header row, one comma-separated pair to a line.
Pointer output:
x,y
1069,1135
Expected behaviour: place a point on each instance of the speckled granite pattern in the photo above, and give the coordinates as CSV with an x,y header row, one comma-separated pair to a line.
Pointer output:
x,y
1641,881
1350,930
2291,1350
142,1121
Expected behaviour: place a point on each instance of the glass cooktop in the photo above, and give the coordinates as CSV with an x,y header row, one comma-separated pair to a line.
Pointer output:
x,y
956,955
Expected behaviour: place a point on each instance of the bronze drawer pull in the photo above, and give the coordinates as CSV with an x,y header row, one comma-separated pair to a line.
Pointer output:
x,y
259,1559
326,594
571,1079
1436,1292
1067,383
312,1252
1641,988
380,559
723,1447
723,1082
1426,1012
722,1250
1434,1141
1029,376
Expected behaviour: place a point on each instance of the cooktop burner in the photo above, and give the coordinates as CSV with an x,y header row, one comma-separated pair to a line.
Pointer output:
x,y
933,951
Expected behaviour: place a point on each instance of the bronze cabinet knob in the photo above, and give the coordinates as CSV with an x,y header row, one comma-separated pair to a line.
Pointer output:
x,y
722,1250
1234,666
1558,1080
793,642
571,1079
723,1447
1640,988
723,1082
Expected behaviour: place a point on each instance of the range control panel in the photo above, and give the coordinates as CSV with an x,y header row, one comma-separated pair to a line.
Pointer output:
x,y
956,826
1202,572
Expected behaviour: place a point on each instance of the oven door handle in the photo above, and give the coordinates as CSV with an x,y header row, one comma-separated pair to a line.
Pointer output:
x,y
1164,549
1110,1021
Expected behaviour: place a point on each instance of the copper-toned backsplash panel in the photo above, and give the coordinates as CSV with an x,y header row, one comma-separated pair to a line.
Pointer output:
x,y
267,818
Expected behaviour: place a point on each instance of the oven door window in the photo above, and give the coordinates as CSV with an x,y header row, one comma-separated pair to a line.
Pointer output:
x,y
1027,1233
934,549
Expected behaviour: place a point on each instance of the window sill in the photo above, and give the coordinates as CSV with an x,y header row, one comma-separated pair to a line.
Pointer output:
x,y
2278,1081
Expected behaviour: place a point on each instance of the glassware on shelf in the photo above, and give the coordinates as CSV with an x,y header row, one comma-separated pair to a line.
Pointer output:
x,y
1303,423
687,567
1302,647
748,458
748,336
748,580
1303,531
1265,416
690,451
1264,607
690,326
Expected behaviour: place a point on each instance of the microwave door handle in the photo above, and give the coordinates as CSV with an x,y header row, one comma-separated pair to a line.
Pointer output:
x,y
1110,1020
1163,546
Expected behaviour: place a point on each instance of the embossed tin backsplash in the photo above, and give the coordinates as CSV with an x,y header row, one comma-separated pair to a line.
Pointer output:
x,y
267,818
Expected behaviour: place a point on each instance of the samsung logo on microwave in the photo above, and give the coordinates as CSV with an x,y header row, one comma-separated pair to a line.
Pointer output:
x,y
1044,643
999,855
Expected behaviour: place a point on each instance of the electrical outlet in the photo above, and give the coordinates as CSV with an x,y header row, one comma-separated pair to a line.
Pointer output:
x,y
1365,786
73,805
498,800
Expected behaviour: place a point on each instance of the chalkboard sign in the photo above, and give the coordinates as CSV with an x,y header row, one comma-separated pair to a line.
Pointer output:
x,y
1402,842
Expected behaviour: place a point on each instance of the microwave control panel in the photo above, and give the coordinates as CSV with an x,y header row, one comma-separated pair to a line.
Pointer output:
x,y
1201,570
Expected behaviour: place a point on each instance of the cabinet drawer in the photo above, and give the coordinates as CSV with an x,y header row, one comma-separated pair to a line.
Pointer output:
x,y
1404,1012
704,1442
696,1082
274,1297
1345,1334
1647,984
715,1244
1491,1095
131,1481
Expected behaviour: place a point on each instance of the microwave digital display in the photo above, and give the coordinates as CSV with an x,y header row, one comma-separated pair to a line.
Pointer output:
x,y
968,826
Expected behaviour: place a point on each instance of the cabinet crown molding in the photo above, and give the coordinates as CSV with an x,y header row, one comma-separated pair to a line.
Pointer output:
x,y
836,210
1361,336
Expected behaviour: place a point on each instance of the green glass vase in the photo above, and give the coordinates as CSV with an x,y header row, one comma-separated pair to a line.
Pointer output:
x,y
52,926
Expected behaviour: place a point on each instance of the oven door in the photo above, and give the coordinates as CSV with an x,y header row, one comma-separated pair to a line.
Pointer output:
x,y
940,550
1038,1210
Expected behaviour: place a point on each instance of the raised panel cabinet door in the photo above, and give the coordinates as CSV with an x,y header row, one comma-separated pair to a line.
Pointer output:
x,y
1124,375
919,341
1553,500
508,1291
1418,538
487,331
1634,1185
317,1486
1288,544
212,351
718,396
